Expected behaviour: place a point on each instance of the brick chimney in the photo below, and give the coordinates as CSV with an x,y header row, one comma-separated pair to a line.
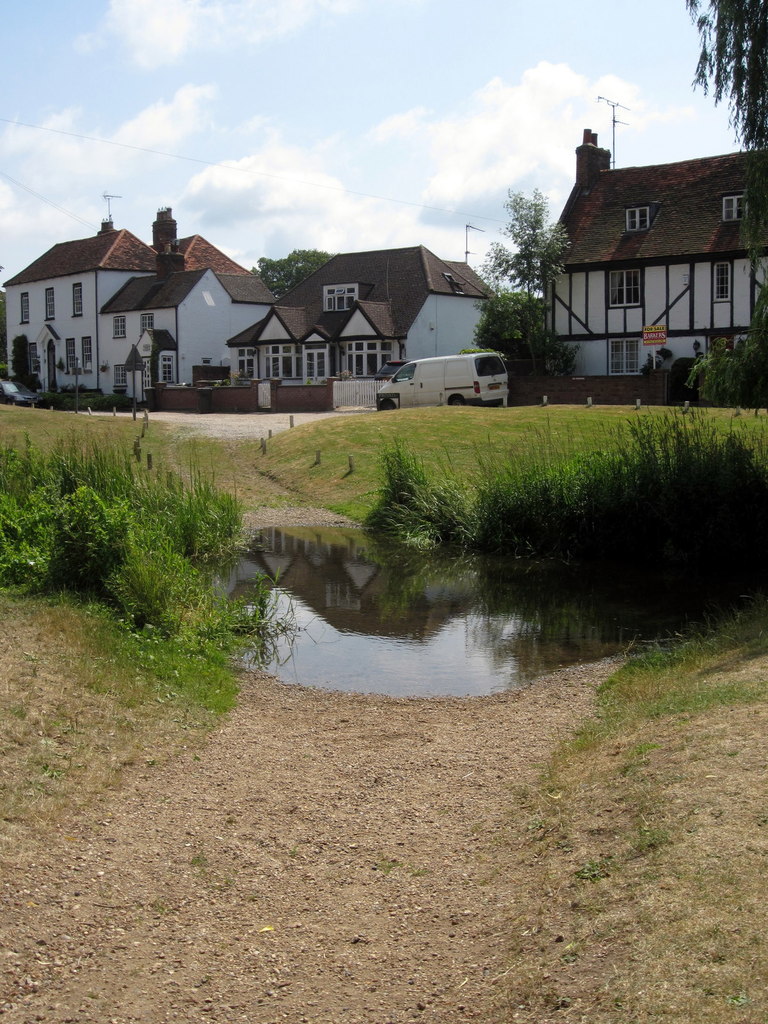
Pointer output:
x,y
590,160
169,261
164,230
106,225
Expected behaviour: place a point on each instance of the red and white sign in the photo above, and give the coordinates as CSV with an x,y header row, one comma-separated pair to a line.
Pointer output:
x,y
655,334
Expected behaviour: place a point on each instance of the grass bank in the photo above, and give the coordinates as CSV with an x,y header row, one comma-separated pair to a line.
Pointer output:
x,y
649,834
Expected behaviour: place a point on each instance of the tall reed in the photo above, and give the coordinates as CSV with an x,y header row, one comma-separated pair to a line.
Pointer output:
x,y
675,489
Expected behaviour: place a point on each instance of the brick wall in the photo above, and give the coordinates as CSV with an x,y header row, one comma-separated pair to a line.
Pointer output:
x,y
651,389
302,397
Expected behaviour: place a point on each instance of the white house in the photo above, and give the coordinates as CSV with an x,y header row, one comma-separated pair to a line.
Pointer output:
x,y
652,247
360,310
85,303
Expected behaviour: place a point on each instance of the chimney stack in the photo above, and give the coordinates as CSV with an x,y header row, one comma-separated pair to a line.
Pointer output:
x,y
169,261
106,225
163,230
590,160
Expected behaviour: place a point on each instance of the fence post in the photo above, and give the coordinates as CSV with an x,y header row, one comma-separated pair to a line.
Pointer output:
x,y
544,399
263,446
351,464
290,421
589,403
638,403
149,460
317,458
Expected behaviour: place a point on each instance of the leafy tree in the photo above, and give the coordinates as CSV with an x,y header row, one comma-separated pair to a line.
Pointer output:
x,y
532,265
733,63
283,274
511,323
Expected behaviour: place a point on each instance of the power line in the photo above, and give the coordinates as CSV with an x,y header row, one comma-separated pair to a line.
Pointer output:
x,y
243,170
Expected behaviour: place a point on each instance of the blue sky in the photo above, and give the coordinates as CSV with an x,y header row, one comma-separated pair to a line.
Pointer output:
x,y
345,125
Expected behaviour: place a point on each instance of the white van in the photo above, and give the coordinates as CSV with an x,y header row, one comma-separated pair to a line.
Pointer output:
x,y
479,378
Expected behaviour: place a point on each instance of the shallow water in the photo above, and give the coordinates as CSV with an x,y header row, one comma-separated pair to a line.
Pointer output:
x,y
373,617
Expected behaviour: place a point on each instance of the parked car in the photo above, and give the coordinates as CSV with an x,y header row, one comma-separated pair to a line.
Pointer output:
x,y
13,393
387,370
479,378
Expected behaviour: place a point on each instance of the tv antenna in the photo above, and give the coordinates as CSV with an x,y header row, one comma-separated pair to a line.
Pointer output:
x,y
107,198
614,121
467,229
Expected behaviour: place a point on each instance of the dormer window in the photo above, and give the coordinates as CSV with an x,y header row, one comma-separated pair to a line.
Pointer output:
x,y
339,296
638,218
455,286
733,207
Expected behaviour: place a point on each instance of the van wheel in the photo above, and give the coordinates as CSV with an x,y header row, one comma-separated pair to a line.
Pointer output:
x,y
456,400
387,404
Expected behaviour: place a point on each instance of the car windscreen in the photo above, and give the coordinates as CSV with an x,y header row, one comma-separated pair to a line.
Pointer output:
x,y
405,372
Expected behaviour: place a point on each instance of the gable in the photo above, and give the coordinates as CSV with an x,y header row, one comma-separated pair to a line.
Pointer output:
x,y
357,326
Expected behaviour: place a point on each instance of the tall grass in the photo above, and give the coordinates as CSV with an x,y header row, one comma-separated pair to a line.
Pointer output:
x,y
85,519
673,488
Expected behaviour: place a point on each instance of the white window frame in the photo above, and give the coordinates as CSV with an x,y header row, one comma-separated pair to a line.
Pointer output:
x,y
33,357
24,307
86,352
339,297
721,282
147,322
638,218
119,376
146,375
733,207
77,299
316,362
166,368
283,361
623,356
70,356
118,326
246,363
624,288
363,358
50,304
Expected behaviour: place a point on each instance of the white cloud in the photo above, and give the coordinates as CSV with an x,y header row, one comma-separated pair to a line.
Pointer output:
x,y
163,33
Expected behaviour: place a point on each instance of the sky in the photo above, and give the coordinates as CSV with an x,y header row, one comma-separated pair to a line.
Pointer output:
x,y
342,125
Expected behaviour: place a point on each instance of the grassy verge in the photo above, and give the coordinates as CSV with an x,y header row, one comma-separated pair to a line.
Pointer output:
x,y
80,698
649,838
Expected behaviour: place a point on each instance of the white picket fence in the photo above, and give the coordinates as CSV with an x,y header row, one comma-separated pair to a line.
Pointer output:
x,y
357,393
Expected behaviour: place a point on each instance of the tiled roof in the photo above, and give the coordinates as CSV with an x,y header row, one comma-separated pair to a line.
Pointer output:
x,y
687,200
199,254
165,293
403,278
153,293
108,250
245,288
162,339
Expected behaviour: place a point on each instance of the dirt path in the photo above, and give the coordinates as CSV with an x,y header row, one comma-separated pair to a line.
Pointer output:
x,y
324,858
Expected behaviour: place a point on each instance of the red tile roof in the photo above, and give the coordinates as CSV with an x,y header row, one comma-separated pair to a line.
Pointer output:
x,y
199,254
108,250
686,203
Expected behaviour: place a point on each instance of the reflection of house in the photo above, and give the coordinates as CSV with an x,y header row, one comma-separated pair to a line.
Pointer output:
x,y
657,245
87,302
360,310
334,574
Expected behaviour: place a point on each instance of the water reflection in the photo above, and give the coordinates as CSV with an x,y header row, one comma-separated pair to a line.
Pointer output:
x,y
373,617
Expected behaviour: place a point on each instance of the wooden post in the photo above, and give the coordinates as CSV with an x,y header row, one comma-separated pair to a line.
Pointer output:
x,y
263,446
290,421
317,458
589,403
149,460
351,464
638,403
544,399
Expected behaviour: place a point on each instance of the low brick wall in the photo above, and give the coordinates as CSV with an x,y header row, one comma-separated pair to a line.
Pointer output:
x,y
241,398
302,397
651,389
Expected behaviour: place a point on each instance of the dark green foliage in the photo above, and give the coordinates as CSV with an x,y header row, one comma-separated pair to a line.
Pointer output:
x,y
738,375
672,489
20,363
85,521
733,63
283,274
88,541
64,401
